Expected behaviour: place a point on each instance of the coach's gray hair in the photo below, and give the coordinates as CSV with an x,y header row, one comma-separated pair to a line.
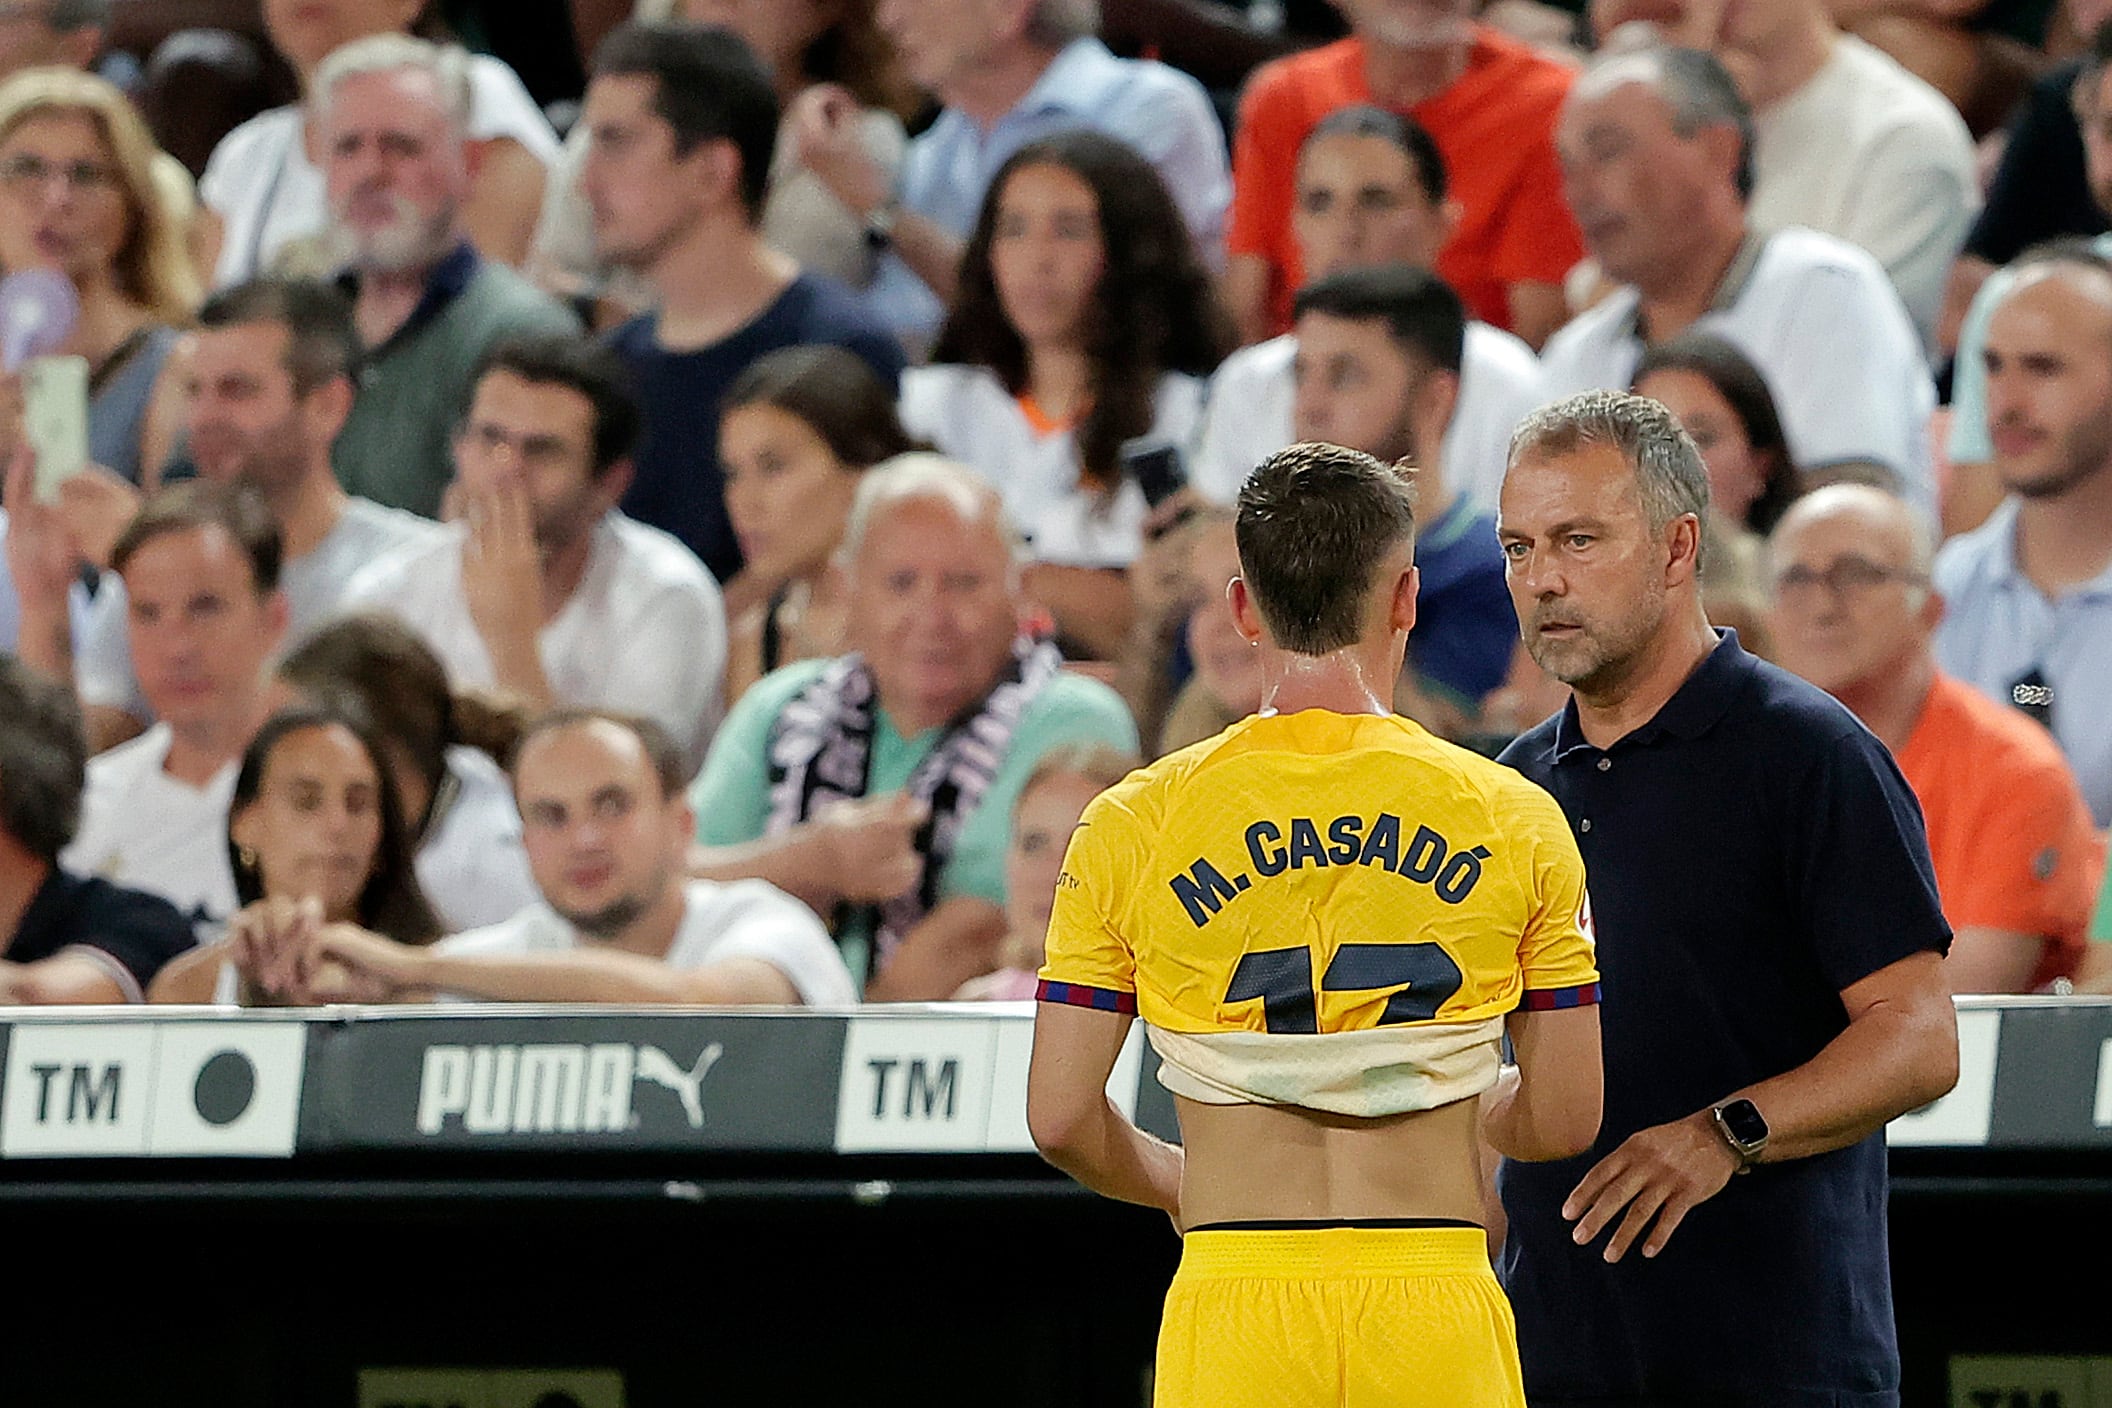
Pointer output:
x,y
921,475
1670,476
1056,23
446,64
1693,84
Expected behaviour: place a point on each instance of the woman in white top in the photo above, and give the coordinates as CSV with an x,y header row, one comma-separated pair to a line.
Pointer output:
x,y
269,196
444,752
1083,331
831,65
314,830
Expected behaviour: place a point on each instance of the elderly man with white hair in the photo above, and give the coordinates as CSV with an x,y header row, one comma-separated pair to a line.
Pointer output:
x,y
392,121
878,786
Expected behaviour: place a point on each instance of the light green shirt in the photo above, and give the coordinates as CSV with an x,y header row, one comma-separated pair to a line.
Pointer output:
x,y
732,794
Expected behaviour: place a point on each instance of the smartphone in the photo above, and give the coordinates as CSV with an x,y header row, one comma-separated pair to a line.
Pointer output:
x,y
55,419
1157,468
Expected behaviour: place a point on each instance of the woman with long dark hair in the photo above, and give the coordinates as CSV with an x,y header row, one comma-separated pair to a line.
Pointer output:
x,y
1083,330
446,753
796,431
314,828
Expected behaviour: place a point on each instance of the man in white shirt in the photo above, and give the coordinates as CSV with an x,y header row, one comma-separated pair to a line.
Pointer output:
x,y
544,588
270,385
607,829
1370,190
200,566
1846,141
1656,157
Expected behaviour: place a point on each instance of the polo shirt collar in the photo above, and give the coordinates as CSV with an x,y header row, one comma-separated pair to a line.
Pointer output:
x,y
1736,279
1694,708
444,283
2002,565
1080,79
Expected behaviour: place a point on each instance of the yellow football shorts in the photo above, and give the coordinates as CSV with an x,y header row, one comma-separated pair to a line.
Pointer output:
x,y
1337,1317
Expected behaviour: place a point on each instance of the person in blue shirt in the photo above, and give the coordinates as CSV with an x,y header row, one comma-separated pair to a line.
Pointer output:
x,y
682,121
1377,370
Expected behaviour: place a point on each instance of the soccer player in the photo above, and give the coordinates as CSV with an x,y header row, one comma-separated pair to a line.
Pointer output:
x,y
1328,919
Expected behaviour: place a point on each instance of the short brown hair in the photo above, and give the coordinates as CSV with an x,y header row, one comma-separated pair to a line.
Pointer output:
x,y
1314,521
660,749
237,510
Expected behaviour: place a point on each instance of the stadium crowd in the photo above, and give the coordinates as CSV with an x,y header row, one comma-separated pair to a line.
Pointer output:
x,y
715,553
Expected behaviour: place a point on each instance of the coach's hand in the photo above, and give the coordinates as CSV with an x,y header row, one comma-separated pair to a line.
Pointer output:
x,y
1662,1173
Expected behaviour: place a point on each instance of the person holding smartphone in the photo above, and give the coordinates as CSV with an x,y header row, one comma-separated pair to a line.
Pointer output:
x,y
1077,347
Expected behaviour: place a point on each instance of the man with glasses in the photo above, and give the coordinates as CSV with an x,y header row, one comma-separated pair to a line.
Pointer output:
x,y
2030,590
2016,856
543,588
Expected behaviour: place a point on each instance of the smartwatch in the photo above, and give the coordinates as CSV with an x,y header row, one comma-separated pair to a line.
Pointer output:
x,y
1743,1127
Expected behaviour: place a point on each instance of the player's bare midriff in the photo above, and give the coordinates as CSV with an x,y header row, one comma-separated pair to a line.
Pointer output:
x,y
1250,1163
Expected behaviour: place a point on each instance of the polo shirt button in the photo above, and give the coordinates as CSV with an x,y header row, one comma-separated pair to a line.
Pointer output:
x,y
1605,765
1584,825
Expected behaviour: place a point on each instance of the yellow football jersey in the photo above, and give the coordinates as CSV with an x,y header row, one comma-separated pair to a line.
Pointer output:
x,y
1321,909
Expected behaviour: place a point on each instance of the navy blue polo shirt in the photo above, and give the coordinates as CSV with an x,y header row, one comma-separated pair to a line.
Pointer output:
x,y
135,931
1752,851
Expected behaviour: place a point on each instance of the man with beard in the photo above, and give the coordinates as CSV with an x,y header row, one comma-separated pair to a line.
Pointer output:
x,y
1771,944
543,587
2029,591
606,827
270,385
392,121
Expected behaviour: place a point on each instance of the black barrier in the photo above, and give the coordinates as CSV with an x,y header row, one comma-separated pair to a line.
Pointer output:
x,y
125,1083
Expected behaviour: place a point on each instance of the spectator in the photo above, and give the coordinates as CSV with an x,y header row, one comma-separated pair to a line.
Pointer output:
x,y
683,122
1845,140
445,752
2028,594
1008,75
1182,604
1970,443
316,836
392,119
830,65
200,566
544,589
607,827
1371,190
78,195
885,778
1656,152
270,386
67,938
797,429
270,196
1084,327
2041,190
2016,855
1378,371
1491,103
1771,944
1047,811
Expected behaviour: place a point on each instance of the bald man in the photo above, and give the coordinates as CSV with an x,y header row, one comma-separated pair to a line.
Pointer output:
x,y
2017,858
2029,618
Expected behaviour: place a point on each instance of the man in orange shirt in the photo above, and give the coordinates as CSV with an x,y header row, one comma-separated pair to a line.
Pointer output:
x,y
2017,857
1491,103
